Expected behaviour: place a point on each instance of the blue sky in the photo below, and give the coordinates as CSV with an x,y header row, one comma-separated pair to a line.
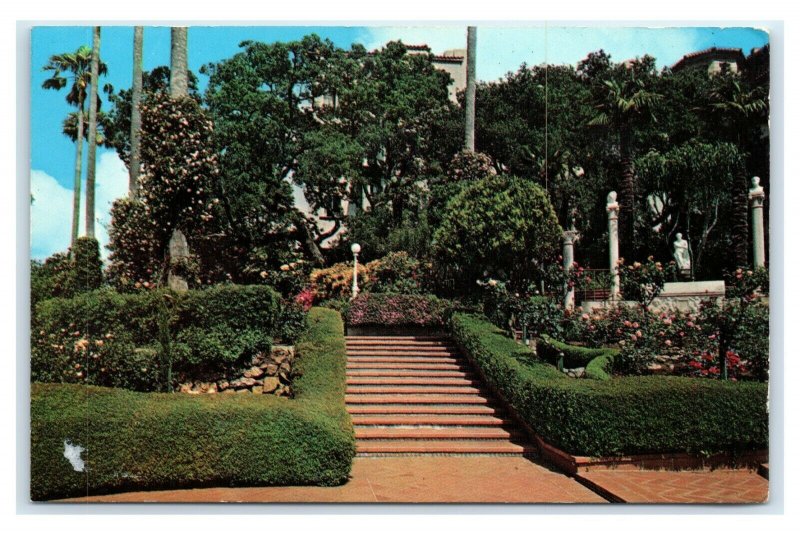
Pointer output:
x,y
500,49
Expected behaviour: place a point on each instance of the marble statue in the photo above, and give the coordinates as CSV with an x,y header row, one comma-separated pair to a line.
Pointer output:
x,y
681,253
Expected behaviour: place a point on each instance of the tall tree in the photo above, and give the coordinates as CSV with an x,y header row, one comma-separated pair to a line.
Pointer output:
x,y
179,63
134,168
469,134
91,164
74,67
623,103
736,113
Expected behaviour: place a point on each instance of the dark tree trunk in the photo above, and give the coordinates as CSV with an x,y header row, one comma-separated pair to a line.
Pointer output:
x,y
627,215
136,114
91,164
739,223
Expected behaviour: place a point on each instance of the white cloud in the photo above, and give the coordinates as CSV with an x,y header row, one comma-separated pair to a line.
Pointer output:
x,y
504,48
51,211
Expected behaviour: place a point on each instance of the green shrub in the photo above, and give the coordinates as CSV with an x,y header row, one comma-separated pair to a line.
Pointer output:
x,y
198,332
498,225
376,309
600,367
138,441
551,350
395,273
67,274
628,415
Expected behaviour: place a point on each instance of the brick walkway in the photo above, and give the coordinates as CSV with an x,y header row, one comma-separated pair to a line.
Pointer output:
x,y
404,479
651,486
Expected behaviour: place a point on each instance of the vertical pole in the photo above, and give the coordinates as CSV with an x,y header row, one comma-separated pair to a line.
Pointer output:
x,y
757,217
612,207
469,96
355,248
568,248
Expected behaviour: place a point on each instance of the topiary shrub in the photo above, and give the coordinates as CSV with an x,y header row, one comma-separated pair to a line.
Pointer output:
x,y
552,351
135,441
499,226
398,273
622,416
377,310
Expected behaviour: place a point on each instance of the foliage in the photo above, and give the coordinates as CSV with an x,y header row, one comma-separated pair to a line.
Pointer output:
x,y
623,416
159,441
337,280
499,226
179,176
67,274
200,332
552,351
376,309
397,273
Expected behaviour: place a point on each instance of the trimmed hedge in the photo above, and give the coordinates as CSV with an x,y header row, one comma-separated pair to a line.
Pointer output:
x,y
550,350
628,415
138,441
377,309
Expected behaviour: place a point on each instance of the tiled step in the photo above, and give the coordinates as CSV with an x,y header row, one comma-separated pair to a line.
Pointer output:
x,y
406,373
397,409
433,381
416,399
402,366
441,446
404,347
403,353
430,433
405,389
429,419
403,360
397,339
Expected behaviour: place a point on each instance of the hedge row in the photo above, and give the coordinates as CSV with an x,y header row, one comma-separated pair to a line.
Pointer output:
x,y
551,350
136,441
105,338
629,415
377,309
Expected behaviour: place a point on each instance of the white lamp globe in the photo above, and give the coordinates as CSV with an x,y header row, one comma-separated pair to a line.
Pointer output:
x,y
356,248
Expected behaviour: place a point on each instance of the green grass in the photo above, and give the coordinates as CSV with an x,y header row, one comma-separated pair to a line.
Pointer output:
x,y
628,415
138,441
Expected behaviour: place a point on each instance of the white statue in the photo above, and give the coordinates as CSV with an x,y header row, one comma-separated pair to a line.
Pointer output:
x,y
681,253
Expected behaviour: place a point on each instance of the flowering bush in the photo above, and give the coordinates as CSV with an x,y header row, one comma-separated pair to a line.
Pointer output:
x,y
179,174
643,282
66,274
538,314
101,359
337,281
398,310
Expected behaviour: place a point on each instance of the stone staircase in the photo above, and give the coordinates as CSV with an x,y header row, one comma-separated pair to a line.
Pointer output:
x,y
416,395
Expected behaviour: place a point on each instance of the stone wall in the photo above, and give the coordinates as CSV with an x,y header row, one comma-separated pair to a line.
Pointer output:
x,y
269,373
680,296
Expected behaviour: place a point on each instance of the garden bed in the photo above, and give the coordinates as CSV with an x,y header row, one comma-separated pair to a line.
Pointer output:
x,y
138,441
618,417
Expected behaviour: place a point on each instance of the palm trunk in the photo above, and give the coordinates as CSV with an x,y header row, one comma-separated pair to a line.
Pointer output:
x,y
91,164
469,104
627,214
136,114
179,68
76,188
739,224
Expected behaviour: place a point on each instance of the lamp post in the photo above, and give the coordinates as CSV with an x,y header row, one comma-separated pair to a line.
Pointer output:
x,y
356,248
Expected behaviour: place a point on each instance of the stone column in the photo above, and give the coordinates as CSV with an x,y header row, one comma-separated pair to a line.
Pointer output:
x,y
355,248
612,207
757,217
570,237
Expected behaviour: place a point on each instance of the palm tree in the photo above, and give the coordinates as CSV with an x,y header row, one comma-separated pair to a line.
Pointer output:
x,y
136,113
91,164
738,111
179,64
622,108
74,67
469,97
